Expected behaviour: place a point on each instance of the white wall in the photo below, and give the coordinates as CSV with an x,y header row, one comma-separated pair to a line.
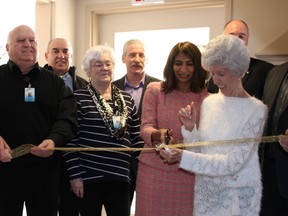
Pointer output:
x,y
122,18
14,13
267,20
164,19
156,20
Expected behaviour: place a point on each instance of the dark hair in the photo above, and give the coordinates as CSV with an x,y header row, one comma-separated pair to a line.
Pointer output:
x,y
199,76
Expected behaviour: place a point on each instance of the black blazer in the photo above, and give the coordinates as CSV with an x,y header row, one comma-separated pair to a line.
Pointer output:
x,y
253,80
270,96
120,84
78,82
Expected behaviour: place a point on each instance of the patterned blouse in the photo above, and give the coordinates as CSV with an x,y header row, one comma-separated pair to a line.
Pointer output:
x,y
101,166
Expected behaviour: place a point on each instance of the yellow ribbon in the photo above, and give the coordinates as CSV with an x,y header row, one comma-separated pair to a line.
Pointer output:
x,y
25,148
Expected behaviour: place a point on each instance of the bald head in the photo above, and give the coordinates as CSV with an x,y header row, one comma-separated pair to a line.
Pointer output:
x,y
22,47
238,28
59,55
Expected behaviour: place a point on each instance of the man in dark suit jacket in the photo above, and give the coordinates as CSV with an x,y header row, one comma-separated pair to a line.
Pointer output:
x,y
134,82
59,59
275,160
284,141
254,79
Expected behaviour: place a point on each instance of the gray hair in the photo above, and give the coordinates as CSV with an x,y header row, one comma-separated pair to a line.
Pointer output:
x,y
94,54
63,39
227,51
18,28
133,41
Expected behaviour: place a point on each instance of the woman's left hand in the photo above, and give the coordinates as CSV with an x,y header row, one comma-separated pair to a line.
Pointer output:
x,y
77,187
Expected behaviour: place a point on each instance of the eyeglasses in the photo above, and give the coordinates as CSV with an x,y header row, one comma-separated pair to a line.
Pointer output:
x,y
100,65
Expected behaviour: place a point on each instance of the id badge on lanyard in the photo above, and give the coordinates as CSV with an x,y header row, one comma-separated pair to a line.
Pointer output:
x,y
29,94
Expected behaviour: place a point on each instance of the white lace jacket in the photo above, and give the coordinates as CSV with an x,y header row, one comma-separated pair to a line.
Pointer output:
x,y
228,179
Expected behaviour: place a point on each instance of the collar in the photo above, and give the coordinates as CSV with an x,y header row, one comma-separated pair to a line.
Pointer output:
x,y
65,76
71,71
127,84
14,67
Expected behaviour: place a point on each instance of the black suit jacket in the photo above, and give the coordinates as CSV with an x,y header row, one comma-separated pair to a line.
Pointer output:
x,y
120,84
78,82
253,80
270,96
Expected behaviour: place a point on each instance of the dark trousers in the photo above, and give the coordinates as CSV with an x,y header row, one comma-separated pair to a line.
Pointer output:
x,y
37,187
133,177
273,203
113,195
69,203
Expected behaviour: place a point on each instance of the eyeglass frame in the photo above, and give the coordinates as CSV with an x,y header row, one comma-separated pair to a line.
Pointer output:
x,y
100,65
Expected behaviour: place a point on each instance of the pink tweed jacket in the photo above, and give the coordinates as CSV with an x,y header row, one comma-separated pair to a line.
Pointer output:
x,y
163,189
161,111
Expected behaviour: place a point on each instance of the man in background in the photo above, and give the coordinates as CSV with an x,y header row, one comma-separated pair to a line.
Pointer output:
x,y
275,155
254,79
59,59
134,82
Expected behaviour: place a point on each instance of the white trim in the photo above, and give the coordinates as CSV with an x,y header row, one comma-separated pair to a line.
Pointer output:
x,y
95,10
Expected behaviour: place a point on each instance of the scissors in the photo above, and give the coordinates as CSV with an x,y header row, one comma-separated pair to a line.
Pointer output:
x,y
167,137
167,140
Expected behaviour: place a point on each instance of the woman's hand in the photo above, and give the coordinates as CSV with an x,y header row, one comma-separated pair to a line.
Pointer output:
x,y
172,156
78,187
187,116
284,141
161,135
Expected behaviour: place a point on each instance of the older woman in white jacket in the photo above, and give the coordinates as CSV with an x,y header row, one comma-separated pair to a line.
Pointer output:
x,y
228,179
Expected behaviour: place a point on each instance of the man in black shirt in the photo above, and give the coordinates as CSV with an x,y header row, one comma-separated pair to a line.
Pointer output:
x,y
274,157
39,110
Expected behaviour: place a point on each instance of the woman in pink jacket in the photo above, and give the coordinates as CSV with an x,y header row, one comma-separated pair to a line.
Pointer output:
x,y
163,189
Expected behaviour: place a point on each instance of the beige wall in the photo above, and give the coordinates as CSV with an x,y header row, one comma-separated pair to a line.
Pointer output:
x,y
120,16
267,21
163,19
55,18
43,29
